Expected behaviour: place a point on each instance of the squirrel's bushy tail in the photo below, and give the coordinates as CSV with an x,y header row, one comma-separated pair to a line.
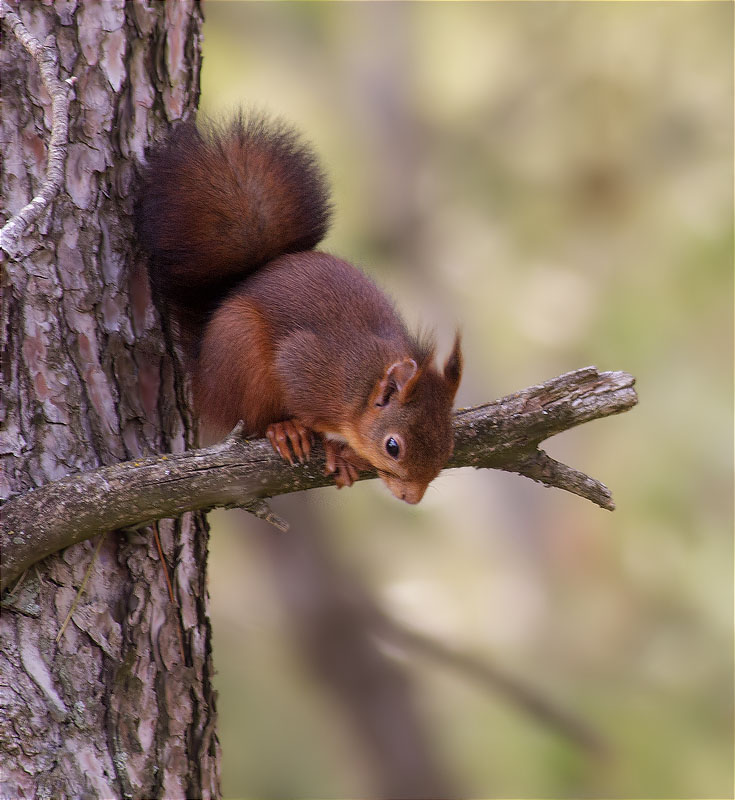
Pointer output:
x,y
217,203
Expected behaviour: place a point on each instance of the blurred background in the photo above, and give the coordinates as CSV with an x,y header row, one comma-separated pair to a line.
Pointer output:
x,y
557,178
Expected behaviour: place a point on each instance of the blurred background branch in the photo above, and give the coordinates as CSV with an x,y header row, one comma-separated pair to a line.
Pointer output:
x,y
484,672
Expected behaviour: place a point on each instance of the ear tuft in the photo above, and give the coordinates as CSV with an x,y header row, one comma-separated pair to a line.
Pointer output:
x,y
397,378
453,366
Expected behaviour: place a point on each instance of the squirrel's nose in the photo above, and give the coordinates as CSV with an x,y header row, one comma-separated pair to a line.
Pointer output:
x,y
412,493
408,492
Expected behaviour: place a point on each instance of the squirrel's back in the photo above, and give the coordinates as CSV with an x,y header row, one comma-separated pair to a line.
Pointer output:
x,y
218,202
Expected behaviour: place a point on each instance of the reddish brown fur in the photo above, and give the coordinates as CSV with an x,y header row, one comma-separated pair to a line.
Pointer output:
x,y
218,203
234,377
275,330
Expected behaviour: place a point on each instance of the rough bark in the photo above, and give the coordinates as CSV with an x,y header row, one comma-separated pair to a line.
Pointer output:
x,y
122,703
504,435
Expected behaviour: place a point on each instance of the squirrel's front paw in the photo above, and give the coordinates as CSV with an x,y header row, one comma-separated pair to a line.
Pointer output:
x,y
343,462
289,434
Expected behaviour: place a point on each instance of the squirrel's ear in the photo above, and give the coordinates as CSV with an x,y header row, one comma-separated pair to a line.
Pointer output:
x,y
453,366
397,378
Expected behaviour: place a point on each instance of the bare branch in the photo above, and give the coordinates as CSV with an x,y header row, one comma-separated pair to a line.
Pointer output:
x,y
241,473
47,57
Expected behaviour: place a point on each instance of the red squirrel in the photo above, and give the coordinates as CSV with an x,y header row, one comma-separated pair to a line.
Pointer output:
x,y
291,340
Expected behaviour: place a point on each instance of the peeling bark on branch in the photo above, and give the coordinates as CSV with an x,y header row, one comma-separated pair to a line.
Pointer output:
x,y
236,472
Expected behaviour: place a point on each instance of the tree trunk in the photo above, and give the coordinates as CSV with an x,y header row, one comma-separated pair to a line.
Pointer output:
x,y
119,702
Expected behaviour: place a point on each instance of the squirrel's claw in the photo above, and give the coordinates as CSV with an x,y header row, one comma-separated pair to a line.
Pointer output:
x,y
288,435
337,455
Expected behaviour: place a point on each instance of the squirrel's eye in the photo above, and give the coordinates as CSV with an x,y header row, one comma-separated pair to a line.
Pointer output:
x,y
392,448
